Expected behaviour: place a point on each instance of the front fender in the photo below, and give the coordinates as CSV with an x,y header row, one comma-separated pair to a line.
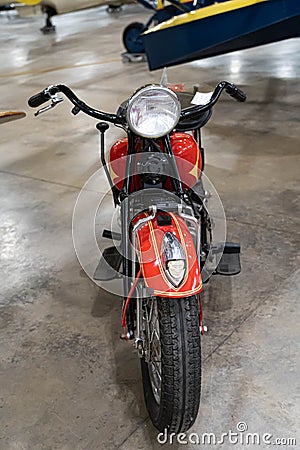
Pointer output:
x,y
149,243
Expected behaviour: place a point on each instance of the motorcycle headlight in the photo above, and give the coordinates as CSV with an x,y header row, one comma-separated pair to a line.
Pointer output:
x,y
153,111
176,270
174,258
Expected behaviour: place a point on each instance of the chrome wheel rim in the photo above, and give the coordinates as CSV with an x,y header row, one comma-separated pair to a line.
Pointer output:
x,y
153,347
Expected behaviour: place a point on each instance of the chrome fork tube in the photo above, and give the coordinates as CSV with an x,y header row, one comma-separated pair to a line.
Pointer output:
x,y
135,229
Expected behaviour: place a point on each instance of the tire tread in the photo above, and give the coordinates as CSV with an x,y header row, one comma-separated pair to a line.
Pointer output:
x,y
181,366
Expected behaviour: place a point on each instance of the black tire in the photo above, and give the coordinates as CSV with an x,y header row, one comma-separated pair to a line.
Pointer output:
x,y
180,366
132,38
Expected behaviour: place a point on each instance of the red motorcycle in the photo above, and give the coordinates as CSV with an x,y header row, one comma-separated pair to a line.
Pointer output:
x,y
166,240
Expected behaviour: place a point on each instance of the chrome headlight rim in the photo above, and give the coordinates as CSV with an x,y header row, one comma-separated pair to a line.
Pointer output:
x,y
145,90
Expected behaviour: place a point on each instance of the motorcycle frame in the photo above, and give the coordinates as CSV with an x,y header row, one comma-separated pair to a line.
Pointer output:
x,y
129,254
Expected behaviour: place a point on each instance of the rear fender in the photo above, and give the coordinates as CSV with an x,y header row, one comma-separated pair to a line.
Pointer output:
x,y
149,244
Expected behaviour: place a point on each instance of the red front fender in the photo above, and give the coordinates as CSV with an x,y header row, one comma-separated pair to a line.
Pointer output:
x,y
149,243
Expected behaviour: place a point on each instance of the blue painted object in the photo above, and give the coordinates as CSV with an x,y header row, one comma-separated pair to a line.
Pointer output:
x,y
183,39
132,35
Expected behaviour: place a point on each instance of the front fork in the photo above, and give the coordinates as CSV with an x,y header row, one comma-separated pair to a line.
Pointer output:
x,y
139,341
130,262
127,267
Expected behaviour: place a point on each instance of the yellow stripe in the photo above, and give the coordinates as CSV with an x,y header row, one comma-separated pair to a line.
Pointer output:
x,y
157,254
194,171
175,291
202,13
184,249
29,2
179,294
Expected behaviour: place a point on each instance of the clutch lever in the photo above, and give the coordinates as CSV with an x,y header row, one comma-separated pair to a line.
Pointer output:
x,y
55,99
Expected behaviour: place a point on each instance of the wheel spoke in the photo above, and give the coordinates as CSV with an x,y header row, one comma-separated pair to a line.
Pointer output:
x,y
152,343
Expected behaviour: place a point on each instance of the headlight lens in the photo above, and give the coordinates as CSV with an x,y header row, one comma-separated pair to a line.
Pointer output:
x,y
177,270
174,259
153,111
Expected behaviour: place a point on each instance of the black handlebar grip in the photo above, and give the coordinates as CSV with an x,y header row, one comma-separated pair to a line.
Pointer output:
x,y
236,93
38,99
240,95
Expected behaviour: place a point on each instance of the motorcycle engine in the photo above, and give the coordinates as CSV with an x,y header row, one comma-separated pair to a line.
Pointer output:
x,y
152,168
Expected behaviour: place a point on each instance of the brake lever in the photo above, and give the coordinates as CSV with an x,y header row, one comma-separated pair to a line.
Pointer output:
x,y
54,101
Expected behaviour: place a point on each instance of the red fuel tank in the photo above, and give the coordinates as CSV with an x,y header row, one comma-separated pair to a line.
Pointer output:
x,y
186,152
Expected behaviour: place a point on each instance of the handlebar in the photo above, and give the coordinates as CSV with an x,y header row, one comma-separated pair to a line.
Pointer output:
x,y
38,99
50,93
193,111
236,93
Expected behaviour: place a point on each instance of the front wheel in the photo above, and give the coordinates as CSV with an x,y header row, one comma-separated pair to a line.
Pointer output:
x,y
171,366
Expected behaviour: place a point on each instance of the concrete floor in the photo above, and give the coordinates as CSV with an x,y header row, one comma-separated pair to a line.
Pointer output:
x,y
66,380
